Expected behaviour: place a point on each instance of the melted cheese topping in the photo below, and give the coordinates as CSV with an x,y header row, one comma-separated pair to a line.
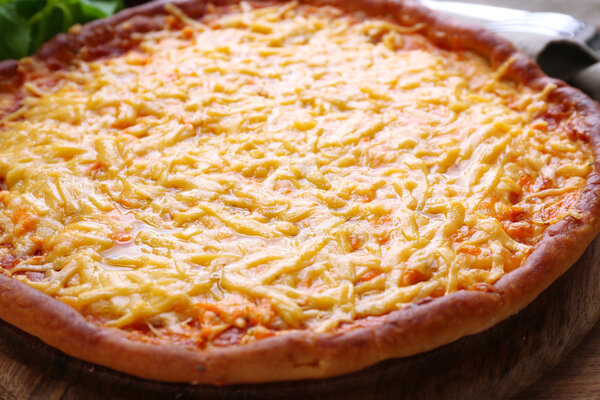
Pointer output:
x,y
277,168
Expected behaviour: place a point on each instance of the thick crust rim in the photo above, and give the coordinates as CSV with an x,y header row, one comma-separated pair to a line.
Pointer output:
x,y
304,354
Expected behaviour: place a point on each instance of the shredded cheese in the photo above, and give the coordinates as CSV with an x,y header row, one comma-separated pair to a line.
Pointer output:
x,y
282,168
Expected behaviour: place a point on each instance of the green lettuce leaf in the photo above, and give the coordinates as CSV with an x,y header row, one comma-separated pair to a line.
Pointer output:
x,y
27,24
14,32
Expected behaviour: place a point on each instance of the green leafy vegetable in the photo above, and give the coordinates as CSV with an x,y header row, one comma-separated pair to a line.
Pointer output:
x,y
26,24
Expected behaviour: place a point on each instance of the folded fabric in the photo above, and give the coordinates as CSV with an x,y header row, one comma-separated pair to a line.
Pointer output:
x,y
562,58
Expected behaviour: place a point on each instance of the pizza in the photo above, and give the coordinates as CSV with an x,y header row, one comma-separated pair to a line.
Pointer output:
x,y
259,191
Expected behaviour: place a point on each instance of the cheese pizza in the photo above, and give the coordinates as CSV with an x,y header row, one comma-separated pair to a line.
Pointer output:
x,y
244,192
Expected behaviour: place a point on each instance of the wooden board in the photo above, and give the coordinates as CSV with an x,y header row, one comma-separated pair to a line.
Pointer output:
x,y
576,377
495,364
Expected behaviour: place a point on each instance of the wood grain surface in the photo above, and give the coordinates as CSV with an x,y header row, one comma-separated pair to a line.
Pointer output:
x,y
495,364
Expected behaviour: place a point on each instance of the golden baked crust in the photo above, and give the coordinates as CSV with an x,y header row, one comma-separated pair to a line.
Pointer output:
x,y
305,354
